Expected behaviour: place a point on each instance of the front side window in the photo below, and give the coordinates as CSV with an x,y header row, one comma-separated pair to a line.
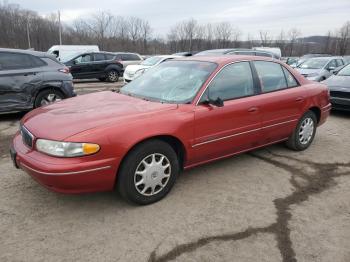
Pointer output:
x,y
83,59
171,81
332,64
339,62
13,61
232,82
271,76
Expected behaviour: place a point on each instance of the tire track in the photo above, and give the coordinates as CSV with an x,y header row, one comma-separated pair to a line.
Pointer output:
x,y
322,179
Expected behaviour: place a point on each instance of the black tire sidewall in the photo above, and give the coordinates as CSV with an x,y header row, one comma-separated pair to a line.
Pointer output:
x,y
125,180
299,145
41,94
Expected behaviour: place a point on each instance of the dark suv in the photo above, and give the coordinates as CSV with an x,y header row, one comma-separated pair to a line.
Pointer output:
x,y
102,65
29,79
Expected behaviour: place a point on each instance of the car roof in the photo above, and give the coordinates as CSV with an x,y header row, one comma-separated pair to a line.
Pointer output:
x,y
225,59
22,51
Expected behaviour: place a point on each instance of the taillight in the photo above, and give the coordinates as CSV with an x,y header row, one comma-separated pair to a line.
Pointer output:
x,y
64,70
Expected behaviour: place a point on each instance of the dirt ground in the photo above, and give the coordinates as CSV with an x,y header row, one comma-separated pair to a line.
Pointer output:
x,y
268,205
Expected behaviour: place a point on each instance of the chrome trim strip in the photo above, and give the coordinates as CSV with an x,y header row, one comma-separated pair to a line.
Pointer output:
x,y
246,132
65,173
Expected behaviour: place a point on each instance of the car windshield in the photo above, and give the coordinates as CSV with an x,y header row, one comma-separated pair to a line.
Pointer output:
x,y
171,81
151,61
314,63
345,71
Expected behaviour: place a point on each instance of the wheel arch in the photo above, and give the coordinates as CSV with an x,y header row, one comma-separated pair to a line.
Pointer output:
x,y
47,87
173,141
317,111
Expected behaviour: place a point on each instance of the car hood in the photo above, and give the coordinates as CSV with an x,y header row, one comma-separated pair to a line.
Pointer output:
x,y
305,71
134,68
339,83
72,116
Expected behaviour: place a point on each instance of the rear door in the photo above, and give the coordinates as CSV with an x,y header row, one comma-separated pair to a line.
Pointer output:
x,y
98,65
19,77
234,127
282,99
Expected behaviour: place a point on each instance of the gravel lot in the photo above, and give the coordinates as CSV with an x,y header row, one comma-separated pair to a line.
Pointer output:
x,y
267,205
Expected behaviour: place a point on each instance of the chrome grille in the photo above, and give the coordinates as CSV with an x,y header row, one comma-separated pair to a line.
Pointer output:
x,y
27,137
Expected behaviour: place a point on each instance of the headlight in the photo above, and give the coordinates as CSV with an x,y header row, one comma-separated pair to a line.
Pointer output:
x,y
66,149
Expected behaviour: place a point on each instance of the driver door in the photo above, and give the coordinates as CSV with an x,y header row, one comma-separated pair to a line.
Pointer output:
x,y
235,126
82,66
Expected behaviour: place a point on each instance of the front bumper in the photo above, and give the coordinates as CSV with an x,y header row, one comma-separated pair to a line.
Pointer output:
x,y
65,175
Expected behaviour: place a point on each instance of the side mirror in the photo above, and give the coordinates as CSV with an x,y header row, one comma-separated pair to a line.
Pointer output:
x,y
74,62
218,102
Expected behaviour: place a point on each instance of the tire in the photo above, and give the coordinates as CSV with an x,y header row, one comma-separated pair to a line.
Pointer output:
x,y
47,97
113,76
304,133
134,175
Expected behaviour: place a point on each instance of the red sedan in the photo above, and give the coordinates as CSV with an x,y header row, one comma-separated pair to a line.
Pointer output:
x,y
175,116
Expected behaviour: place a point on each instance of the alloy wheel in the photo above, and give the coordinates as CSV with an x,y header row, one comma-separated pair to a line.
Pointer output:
x,y
306,131
152,174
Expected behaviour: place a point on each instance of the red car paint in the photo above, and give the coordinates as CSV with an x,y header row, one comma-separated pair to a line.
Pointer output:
x,y
118,122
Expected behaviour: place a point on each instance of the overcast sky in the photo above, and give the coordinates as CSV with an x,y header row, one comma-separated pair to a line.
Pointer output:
x,y
311,17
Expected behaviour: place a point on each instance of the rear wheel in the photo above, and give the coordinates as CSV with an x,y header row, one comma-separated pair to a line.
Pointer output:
x,y
304,133
47,97
148,172
113,76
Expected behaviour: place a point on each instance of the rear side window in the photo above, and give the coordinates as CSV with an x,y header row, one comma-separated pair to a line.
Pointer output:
x,y
12,61
291,82
37,62
109,56
271,76
232,82
99,57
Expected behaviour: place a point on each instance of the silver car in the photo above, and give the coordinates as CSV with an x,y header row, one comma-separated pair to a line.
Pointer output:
x,y
319,68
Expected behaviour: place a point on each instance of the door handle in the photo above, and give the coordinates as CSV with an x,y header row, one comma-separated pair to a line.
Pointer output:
x,y
252,109
299,99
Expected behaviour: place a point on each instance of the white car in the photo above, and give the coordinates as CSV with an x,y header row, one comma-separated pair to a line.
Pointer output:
x,y
133,71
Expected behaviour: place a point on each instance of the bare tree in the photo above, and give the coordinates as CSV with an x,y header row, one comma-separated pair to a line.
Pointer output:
x,y
265,38
293,35
344,38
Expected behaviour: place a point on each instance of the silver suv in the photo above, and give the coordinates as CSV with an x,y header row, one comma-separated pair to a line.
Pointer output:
x,y
30,79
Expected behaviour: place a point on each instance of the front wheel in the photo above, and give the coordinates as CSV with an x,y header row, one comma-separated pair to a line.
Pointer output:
x,y
304,133
148,172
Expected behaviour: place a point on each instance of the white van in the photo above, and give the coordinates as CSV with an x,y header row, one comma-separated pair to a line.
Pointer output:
x,y
64,52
